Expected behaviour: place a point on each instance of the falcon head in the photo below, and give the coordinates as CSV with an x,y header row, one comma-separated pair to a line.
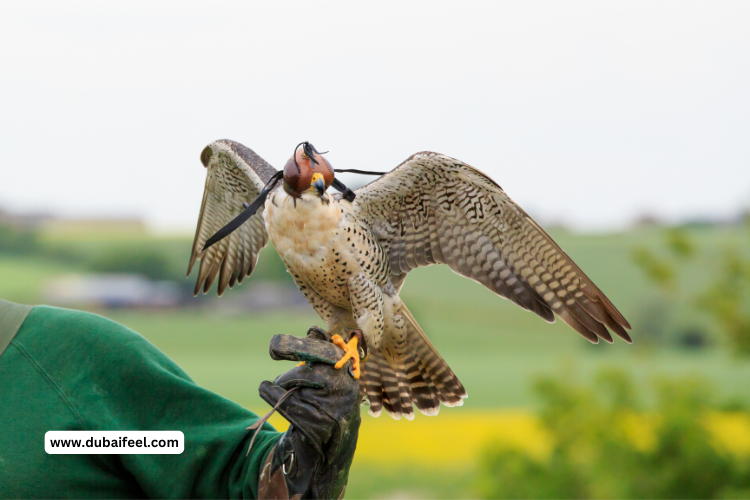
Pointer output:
x,y
307,170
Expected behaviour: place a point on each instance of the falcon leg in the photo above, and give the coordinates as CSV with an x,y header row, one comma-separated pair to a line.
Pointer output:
x,y
364,351
351,351
367,311
360,345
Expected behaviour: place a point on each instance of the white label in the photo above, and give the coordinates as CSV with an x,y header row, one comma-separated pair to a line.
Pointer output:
x,y
114,442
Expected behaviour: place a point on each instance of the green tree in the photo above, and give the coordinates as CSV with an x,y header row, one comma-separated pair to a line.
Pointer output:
x,y
595,456
150,263
18,240
726,299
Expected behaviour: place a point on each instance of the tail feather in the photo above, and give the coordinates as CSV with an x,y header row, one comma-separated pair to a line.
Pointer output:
x,y
404,391
436,366
422,389
371,386
443,395
415,375
390,385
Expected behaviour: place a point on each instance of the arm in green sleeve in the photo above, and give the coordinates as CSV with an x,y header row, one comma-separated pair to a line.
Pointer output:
x,y
117,380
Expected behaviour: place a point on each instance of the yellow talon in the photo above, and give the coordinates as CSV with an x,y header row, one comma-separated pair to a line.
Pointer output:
x,y
350,352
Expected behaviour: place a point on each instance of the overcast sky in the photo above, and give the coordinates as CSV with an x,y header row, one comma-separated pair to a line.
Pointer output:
x,y
590,114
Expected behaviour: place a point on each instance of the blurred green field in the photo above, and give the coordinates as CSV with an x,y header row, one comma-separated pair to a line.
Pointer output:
x,y
494,347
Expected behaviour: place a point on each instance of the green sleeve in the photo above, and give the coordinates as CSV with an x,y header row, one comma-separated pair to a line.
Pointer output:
x,y
114,379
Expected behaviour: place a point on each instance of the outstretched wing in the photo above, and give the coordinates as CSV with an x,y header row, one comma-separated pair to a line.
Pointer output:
x,y
435,209
235,174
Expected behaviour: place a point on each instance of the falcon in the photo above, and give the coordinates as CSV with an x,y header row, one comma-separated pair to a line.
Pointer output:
x,y
349,253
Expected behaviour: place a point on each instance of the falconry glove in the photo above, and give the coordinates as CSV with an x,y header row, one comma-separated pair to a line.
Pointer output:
x,y
312,458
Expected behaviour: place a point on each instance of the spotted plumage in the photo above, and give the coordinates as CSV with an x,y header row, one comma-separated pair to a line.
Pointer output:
x,y
350,260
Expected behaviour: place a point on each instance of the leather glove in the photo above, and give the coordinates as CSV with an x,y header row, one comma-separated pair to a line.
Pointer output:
x,y
312,458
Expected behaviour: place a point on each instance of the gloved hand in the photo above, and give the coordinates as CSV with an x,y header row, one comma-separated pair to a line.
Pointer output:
x,y
313,457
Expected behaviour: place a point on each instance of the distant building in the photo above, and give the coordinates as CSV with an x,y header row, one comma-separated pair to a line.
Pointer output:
x,y
111,291
123,226
263,296
51,223
23,220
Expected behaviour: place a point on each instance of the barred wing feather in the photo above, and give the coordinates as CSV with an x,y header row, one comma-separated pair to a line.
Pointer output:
x,y
235,174
433,209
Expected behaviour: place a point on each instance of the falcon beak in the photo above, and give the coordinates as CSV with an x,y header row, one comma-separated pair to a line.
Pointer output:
x,y
319,184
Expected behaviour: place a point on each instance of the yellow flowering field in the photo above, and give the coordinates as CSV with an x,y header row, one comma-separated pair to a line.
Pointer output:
x,y
457,438
730,431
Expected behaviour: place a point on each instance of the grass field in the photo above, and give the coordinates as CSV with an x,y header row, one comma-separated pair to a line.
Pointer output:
x,y
229,354
495,348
